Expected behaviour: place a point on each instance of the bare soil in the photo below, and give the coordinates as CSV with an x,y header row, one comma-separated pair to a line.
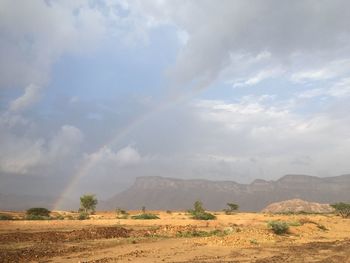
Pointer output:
x,y
242,237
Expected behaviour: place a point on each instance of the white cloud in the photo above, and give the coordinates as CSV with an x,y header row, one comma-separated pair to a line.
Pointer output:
x,y
275,137
219,31
340,90
31,95
259,77
35,34
27,154
124,157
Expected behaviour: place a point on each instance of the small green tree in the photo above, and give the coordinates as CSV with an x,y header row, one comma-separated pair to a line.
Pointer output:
x,y
143,209
232,208
88,203
199,212
343,209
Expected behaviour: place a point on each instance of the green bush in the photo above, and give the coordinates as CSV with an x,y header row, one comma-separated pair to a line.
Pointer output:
x,y
38,211
278,227
145,216
203,216
83,216
343,209
6,217
199,212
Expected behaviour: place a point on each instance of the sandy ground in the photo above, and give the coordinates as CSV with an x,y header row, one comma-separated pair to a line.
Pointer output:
x,y
103,238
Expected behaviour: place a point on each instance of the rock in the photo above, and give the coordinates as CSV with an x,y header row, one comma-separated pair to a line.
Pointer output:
x,y
297,206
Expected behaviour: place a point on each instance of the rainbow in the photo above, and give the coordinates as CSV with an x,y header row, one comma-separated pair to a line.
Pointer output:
x,y
87,165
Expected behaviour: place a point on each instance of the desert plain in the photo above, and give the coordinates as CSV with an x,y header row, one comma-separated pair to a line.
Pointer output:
x,y
175,237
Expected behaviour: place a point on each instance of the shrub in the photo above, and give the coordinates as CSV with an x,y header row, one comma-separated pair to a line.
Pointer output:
x,y
199,212
6,217
204,216
145,216
343,209
38,211
278,227
169,212
83,216
59,217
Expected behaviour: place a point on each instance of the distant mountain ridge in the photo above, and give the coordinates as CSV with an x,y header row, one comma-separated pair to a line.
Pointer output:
x,y
178,194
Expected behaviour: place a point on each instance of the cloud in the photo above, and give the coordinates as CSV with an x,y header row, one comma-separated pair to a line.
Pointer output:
x,y
25,154
124,157
31,95
276,137
34,35
219,32
259,77
340,90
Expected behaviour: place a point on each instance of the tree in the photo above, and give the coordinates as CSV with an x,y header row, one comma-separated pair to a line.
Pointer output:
x,y
88,203
38,211
232,208
342,209
199,212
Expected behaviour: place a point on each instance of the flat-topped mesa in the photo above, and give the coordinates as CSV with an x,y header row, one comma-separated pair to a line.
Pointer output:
x,y
168,193
154,182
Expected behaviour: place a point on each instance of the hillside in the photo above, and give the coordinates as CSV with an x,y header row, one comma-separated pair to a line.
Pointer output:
x,y
297,205
178,194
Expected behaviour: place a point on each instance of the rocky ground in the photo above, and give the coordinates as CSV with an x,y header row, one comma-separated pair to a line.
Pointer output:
x,y
242,237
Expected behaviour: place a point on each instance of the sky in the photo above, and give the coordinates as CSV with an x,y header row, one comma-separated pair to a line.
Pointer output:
x,y
96,93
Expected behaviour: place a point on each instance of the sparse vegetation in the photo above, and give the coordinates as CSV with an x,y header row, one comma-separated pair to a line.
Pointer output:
x,y
201,233
169,212
59,217
342,209
278,227
309,221
199,212
38,211
122,214
83,216
232,208
6,217
145,216
88,203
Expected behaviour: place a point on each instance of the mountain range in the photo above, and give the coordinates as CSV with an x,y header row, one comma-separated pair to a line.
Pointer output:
x,y
165,193
178,194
